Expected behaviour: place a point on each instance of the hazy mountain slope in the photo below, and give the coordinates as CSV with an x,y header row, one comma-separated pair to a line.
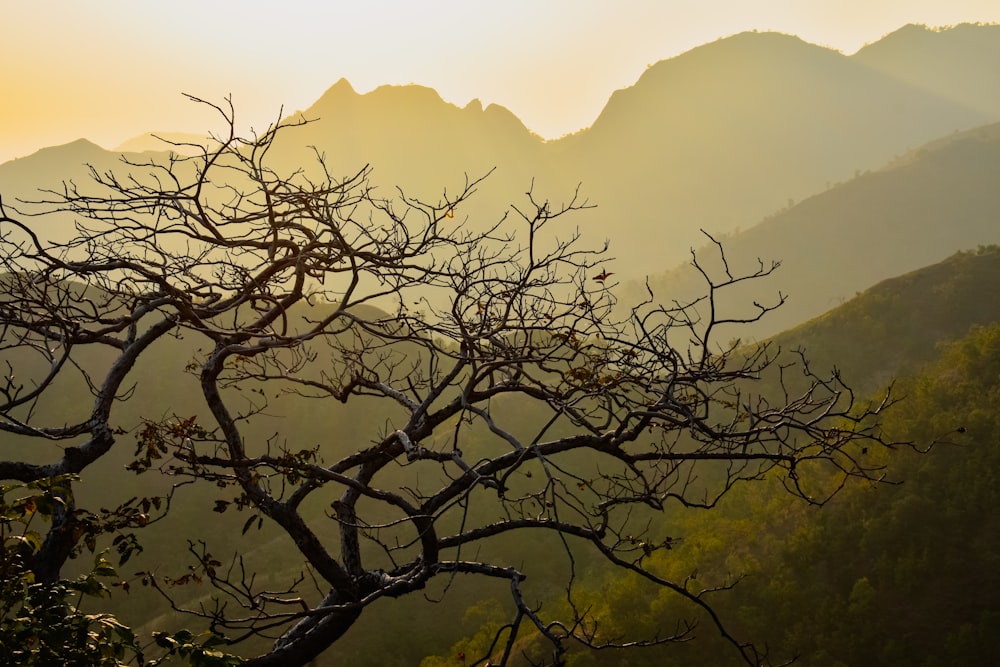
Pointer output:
x,y
715,138
415,140
411,126
960,63
23,180
154,141
731,131
49,167
939,200
897,326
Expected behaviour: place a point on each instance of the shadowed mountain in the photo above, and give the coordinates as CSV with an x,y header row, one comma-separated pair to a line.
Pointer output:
x,y
922,208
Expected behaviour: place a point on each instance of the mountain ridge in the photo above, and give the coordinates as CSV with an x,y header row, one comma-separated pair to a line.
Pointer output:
x,y
915,211
958,62
772,121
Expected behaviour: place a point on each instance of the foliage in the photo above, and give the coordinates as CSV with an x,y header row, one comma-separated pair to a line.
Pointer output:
x,y
196,650
44,623
896,575
904,575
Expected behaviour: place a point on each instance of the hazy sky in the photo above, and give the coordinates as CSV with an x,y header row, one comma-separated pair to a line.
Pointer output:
x,y
111,69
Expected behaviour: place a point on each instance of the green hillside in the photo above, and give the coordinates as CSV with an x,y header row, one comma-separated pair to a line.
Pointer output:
x,y
896,327
883,575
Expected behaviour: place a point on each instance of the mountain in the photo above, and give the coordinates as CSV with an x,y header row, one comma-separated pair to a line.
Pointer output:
x,y
415,121
413,139
49,167
897,327
893,574
959,63
716,138
154,141
724,134
921,208
26,179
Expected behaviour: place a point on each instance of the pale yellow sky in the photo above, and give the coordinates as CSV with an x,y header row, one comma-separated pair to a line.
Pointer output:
x,y
108,70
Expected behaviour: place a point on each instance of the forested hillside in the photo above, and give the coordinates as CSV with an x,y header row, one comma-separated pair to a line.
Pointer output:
x,y
898,573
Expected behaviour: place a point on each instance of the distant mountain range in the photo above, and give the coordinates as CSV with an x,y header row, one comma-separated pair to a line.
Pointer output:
x,y
717,138
916,211
735,130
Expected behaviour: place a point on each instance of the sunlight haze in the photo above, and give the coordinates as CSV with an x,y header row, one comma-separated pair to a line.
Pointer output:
x,y
112,69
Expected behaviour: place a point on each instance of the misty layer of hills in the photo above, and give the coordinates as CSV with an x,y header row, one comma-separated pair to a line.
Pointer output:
x,y
726,137
921,208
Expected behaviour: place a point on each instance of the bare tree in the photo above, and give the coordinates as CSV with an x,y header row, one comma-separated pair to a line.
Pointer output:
x,y
517,394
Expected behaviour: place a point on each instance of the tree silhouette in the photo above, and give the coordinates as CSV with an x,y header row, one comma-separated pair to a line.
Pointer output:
x,y
516,394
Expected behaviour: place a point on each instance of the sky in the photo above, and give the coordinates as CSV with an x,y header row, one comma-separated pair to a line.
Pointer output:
x,y
109,70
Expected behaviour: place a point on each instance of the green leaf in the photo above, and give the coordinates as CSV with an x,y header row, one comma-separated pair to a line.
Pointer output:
x,y
90,585
30,540
103,568
183,636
